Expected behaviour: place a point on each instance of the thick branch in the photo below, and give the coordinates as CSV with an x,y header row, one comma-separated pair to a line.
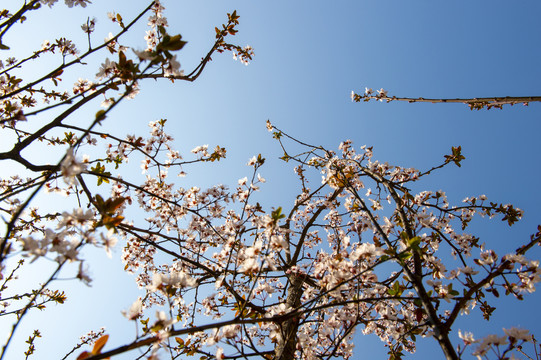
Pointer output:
x,y
287,344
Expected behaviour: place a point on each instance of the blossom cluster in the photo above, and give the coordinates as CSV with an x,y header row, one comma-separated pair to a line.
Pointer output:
x,y
511,343
69,3
369,93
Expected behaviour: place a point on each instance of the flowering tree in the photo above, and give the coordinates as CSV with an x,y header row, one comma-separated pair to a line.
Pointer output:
x,y
361,248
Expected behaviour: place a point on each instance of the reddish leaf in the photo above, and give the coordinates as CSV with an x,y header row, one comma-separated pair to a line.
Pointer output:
x,y
100,343
84,355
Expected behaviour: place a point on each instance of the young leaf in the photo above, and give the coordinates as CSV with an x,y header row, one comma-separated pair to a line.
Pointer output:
x,y
84,355
99,344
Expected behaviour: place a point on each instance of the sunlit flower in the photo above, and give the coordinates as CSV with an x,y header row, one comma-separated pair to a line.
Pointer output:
x,y
106,69
82,274
71,167
89,26
172,68
135,310
109,242
50,3
219,353
467,337
81,3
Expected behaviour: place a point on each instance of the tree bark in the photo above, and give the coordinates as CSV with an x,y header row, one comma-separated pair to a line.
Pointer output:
x,y
287,344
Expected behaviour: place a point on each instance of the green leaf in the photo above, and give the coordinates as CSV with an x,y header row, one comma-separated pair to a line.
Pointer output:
x,y
174,43
100,170
404,236
277,214
384,258
404,256
100,115
414,242
119,18
456,156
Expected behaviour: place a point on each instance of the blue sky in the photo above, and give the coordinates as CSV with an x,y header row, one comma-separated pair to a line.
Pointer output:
x,y
309,56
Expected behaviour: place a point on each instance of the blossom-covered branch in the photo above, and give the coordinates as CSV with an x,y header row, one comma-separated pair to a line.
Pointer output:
x,y
477,103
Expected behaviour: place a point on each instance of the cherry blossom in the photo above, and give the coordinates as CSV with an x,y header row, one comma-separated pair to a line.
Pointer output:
x,y
362,248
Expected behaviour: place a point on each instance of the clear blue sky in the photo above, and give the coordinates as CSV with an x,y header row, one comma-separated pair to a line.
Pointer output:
x,y
309,56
